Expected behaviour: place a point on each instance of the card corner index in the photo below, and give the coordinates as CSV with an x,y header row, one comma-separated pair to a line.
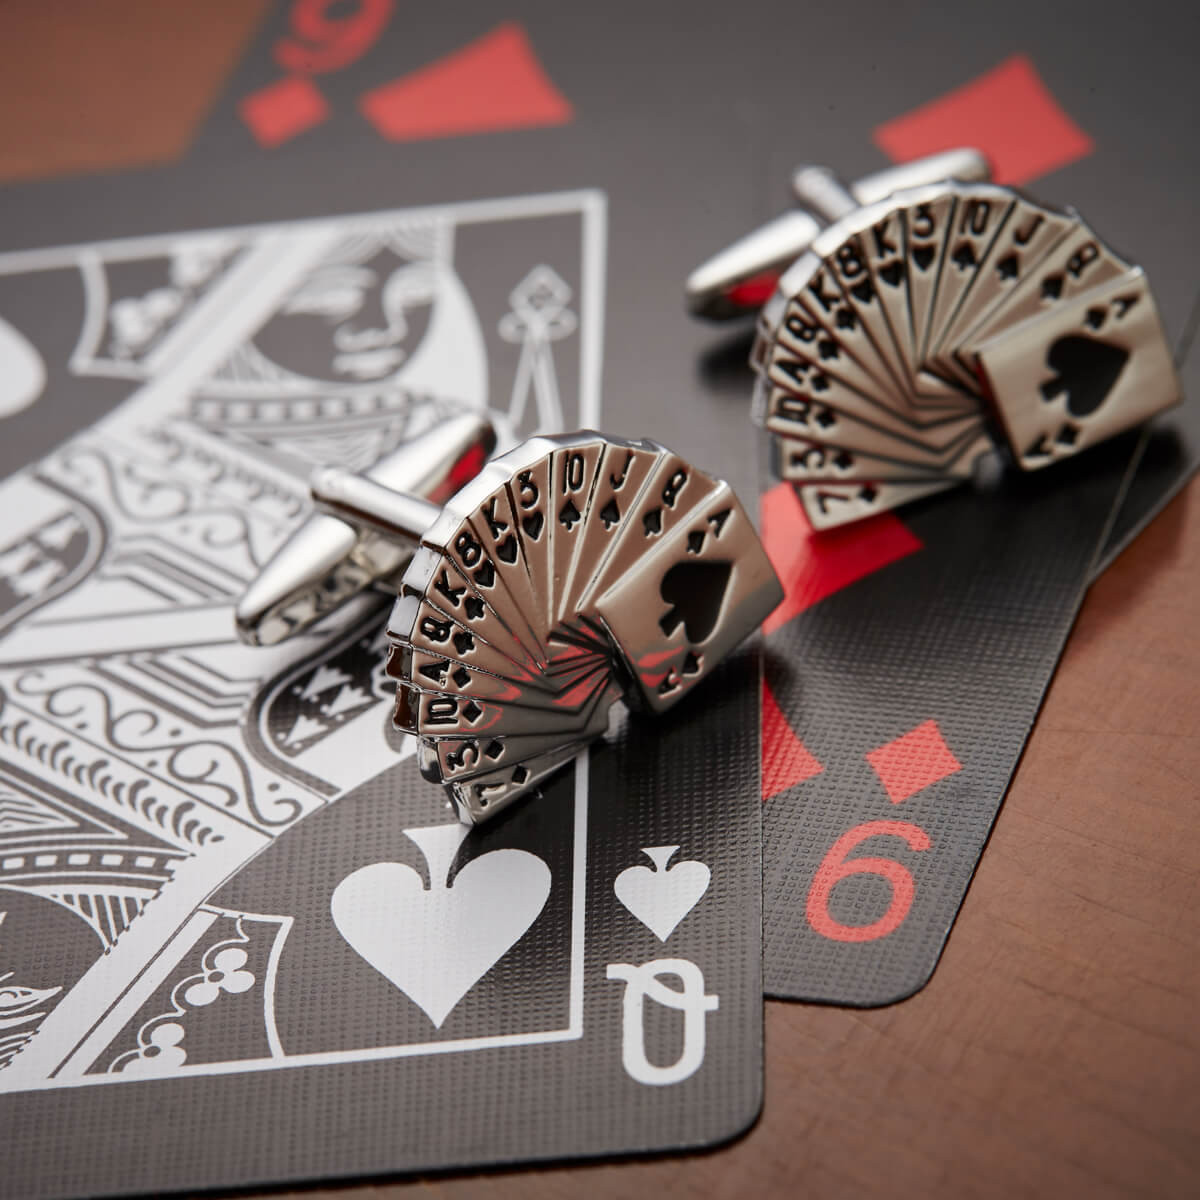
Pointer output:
x,y
1066,380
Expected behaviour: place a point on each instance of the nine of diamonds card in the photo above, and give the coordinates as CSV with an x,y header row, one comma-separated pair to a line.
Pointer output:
x,y
229,904
924,329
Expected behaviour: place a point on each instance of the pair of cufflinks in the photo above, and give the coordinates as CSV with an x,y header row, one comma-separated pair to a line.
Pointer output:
x,y
912,325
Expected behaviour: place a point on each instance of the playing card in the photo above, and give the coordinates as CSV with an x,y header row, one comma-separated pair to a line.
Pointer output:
x,y
979,219
906,719
460,996
1075,264
850,264
712,576
801,386
905,699
925,242
813,350
1168,457
225,882
801,461
1028,234
828,505
1111,368
789,413
858,912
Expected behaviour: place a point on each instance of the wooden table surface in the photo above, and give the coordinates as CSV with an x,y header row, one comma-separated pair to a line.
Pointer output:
x,y
1057,1049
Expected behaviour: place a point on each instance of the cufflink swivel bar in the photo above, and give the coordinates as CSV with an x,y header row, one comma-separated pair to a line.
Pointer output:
x,y
737,280
365,529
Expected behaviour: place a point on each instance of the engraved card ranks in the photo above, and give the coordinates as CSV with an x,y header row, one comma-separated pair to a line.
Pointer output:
x,y
572,572
918,332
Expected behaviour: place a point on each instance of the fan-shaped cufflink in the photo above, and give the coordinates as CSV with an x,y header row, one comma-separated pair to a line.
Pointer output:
x,y
571,572
924,326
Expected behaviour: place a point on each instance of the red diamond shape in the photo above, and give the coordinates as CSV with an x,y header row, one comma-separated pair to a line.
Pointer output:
x,y
277,113
814,565
1008,112
494,83
913,761
785,758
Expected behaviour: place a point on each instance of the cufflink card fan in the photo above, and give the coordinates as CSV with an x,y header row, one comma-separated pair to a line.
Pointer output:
x,y
571,572
934,317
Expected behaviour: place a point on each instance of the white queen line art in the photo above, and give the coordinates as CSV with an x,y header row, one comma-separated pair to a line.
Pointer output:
x,y
539,317
124,694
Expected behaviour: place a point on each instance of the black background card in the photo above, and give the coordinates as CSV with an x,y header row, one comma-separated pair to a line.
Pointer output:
x,y
686,165
150,758
382,989
214,901
908,697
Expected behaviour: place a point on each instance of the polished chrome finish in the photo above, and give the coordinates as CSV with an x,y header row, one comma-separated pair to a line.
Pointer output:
x,y
915,331
328,560
570,573
820,191
365,504
965,164
711,289
575,571
1046,376
732,282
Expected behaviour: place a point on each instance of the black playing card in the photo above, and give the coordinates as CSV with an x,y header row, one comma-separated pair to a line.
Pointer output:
x,y
383,989
906,698
898,707
225,887
480,279
913,656
1166,458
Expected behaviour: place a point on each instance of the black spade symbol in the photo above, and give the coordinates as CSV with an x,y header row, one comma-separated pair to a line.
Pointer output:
x,y
695,591
923,256
1086,369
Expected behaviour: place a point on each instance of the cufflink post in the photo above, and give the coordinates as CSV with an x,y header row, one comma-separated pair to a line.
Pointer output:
x,y
737,280
364,531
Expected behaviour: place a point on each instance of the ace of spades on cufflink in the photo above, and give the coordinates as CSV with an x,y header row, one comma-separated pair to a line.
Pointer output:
x,y
567,574
923,318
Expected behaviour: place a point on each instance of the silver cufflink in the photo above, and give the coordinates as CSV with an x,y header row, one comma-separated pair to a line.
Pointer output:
x,y
927,317
343,550
571,572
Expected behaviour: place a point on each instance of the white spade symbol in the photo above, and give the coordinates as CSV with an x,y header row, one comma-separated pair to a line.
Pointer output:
x,y
436,945
661,898
22,372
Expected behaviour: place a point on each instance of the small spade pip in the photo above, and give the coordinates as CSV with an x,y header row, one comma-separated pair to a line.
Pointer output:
x,y
695,592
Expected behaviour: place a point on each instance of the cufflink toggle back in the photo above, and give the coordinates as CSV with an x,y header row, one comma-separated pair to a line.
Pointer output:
x,y
916,332
573,571
338,553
